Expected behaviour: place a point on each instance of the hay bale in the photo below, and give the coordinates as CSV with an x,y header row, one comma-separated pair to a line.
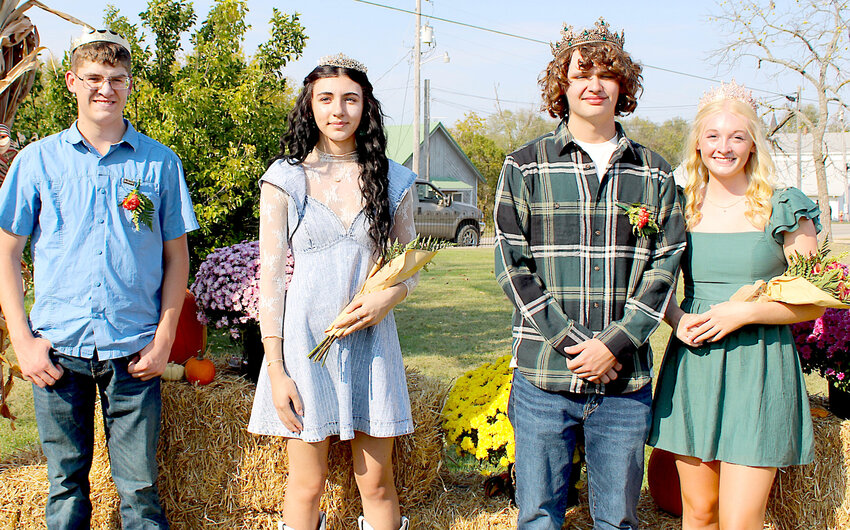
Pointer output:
x,y
23,487
213,473
816,495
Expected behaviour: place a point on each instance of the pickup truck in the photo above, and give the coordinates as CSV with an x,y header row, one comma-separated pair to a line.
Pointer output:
x,y
436,215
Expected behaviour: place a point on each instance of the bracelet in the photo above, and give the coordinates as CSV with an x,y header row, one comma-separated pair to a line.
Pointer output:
x,y
269,363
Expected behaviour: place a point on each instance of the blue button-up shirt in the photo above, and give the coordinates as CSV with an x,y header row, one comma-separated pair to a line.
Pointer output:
x,y
98,280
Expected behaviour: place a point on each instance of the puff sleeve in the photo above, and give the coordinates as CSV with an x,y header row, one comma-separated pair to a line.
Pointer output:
x,y
790,205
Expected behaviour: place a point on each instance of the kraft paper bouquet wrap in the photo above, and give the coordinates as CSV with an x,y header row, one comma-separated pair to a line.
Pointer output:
x,y
818,279
397,264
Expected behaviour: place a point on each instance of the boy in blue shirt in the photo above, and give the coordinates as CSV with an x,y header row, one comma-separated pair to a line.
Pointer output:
x,y
108,210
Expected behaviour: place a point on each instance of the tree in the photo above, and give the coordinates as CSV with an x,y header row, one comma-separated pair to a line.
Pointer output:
x,y
222,113
808,38
513,129
667,139
485,154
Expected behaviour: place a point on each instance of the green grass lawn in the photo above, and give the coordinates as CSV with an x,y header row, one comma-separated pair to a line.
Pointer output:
x,y
457,318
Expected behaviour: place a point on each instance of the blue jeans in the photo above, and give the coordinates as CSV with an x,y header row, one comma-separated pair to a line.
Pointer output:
x,y
64,413
545,426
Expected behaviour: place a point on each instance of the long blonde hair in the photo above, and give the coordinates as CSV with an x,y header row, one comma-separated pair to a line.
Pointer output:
x,y
759,168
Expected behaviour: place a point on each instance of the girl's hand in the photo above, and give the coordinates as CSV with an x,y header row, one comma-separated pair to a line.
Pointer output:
x,y
682,331
369,309
719,321
287,401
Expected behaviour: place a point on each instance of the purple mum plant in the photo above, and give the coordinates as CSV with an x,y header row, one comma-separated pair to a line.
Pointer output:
x,y
227,286
824,346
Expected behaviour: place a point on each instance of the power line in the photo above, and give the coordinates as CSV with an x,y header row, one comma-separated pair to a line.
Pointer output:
x,y
473,26
405,56
523,37
481,97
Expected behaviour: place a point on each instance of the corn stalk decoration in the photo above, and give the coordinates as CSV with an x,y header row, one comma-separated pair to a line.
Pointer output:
x,y
19,49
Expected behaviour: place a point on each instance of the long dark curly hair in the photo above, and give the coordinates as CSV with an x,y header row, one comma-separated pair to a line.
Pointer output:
x,y
303,135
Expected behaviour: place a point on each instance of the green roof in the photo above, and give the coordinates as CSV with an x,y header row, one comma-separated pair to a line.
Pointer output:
x,y
400,144
450,183
400,140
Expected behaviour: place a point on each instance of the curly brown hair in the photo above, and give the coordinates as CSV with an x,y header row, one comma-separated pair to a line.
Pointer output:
x,y
553,81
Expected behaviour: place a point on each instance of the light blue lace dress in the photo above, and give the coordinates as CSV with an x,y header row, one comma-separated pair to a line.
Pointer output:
x,y
362,386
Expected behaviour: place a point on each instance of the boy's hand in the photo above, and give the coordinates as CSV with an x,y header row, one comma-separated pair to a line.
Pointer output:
x,y
149,362
34,358
593,361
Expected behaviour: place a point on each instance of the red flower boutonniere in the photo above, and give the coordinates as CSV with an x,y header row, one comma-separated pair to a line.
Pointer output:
x,y
643,223
140,206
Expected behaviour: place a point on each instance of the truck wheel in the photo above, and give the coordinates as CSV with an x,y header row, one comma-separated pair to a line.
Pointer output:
x,y
467,236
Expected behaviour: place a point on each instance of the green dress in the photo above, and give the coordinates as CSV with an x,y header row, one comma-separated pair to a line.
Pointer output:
x,y
742,399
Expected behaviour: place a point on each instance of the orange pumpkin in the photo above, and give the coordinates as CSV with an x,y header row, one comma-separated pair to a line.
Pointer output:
x,y
190,340
201,371
663,480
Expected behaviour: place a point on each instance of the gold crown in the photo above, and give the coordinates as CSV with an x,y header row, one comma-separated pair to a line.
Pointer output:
x,y
343,61
600,32
730,90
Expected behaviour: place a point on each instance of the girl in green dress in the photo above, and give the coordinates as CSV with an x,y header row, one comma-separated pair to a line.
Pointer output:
x,y
731,401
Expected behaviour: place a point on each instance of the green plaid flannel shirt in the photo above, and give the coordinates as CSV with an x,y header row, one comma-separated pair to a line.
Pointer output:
x,y
567,258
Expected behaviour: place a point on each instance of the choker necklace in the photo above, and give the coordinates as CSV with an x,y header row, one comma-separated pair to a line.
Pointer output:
x,y
722,206
344,157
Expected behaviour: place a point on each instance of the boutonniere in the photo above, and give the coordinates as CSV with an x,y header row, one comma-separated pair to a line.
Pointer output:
x,y
643,224
140,206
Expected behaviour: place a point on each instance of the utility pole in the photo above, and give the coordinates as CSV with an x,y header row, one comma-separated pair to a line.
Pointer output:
x,y
427,129
417,103
799,141
846,210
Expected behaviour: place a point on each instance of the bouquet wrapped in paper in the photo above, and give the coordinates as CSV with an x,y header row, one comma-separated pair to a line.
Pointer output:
x,y
817,279
397,264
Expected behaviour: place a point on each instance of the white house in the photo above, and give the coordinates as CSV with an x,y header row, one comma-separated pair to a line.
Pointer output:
x,y
784,153
837,153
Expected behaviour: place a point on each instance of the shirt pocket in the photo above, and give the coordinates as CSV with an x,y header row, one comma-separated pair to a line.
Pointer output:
x,y
149,203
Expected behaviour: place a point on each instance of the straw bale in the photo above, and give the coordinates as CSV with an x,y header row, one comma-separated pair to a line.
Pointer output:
x,y
816,495
23,487
213,473
416,463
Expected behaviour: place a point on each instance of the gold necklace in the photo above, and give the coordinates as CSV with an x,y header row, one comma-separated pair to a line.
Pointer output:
x,y
722,207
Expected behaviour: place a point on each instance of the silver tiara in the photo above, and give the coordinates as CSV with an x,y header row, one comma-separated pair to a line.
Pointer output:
x,y
343,61
731,90
100,35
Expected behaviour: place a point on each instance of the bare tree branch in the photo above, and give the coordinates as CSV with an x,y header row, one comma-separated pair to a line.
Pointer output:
x,y
810,39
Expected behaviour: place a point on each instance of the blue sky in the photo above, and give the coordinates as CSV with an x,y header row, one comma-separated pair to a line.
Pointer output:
x,y
673,35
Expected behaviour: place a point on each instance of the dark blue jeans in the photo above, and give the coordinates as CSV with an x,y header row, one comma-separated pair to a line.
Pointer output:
x,y
545,425
131,415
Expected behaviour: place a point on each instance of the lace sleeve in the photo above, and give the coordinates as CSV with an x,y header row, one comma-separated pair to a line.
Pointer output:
x,y
273,247
404,231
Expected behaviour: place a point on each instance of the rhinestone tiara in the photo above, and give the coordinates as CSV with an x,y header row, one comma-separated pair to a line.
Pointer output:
x,y
343,61
100,35
731,90
600,32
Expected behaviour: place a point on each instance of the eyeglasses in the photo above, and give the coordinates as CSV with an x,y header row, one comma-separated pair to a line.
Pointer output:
x,y
95,82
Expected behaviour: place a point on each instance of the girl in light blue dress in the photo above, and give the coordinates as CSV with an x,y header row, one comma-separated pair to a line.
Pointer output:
x,y
336,201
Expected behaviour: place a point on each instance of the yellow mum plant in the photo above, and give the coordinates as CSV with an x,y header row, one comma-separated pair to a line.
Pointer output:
x,y
475,416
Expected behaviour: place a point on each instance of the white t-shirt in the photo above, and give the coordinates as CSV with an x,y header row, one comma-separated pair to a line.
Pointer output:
x,y
600,153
